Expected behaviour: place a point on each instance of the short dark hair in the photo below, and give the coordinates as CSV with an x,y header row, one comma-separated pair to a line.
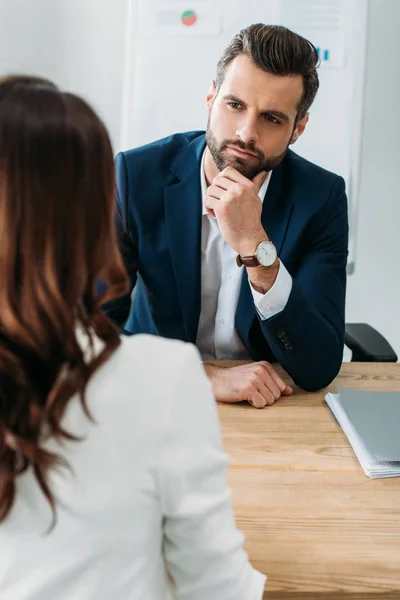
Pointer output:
x,y
276,49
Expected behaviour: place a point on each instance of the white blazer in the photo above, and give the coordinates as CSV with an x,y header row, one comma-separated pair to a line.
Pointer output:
x,y
146,500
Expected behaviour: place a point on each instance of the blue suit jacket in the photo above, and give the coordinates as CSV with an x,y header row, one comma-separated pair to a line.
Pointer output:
x,y
159,213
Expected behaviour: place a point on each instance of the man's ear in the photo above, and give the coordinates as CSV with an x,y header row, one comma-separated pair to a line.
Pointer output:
x,y
210,96
298,130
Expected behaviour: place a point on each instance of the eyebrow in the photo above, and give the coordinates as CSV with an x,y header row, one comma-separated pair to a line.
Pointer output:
x,y
275,113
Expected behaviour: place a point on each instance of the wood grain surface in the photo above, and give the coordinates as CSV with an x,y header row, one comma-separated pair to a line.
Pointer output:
x,y
314,523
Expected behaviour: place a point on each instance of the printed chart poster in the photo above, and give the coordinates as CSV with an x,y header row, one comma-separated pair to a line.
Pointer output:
x,y
174,17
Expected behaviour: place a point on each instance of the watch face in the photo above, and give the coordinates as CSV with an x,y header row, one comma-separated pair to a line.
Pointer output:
x,y
266,254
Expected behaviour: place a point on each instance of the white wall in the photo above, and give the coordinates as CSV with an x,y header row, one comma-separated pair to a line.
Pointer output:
x,y
374,289
79,44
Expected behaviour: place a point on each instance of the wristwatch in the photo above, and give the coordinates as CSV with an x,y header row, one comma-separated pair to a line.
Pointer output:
x,y
264,256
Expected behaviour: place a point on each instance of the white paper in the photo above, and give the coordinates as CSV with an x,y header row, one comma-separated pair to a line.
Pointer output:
x,y
174,17
323,23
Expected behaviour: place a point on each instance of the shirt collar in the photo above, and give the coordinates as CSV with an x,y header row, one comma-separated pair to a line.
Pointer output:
x,y
261,193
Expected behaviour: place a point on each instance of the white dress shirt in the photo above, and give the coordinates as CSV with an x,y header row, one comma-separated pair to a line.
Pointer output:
x,y
146,499
221,280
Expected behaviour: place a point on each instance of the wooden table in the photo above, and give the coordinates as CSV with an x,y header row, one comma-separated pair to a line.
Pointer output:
x,y
313,521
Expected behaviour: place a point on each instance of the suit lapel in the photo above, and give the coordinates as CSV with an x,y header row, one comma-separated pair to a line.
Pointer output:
x,y
276,212
183,212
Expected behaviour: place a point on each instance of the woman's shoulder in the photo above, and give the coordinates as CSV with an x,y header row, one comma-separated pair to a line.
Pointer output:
x,y
145,364
156,351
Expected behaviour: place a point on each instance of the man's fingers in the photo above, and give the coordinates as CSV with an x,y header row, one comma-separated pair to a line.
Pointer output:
x,y
211,212
267,381
274,375
273,389
217,192
288,391
259,386
272,380
285,389
214,191
223,182
258,399
210,203
232,174
267,395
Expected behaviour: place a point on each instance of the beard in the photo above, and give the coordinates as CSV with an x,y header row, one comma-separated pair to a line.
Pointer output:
x,y
249,167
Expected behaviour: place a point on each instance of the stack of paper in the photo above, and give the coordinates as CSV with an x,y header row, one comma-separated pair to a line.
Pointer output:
x,y
371,422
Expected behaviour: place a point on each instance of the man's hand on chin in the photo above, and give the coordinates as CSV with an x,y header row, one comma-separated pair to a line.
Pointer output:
x,y
258,383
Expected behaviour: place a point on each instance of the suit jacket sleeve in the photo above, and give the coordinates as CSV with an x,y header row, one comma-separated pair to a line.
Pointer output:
x,y
307,336
118,310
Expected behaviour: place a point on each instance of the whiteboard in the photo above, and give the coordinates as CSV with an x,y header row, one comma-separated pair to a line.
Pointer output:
x,y
170,68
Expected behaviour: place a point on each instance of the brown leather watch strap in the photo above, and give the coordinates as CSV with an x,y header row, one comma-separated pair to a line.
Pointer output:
x,y
247,261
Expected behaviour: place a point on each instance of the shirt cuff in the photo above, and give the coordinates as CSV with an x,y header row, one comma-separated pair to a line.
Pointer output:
x,y
275,300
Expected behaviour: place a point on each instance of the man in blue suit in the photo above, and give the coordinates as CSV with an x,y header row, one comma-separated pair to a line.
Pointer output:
x,y
235,243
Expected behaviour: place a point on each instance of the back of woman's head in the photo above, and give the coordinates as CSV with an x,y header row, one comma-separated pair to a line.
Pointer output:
x,y
56,240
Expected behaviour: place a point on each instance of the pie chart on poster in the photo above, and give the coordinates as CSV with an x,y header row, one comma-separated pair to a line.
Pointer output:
x,y
189,18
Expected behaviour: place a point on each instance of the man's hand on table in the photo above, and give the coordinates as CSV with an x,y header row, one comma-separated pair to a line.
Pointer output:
x,y
258,383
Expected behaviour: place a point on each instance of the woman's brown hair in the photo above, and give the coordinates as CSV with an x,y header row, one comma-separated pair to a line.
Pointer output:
x,y
57,241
